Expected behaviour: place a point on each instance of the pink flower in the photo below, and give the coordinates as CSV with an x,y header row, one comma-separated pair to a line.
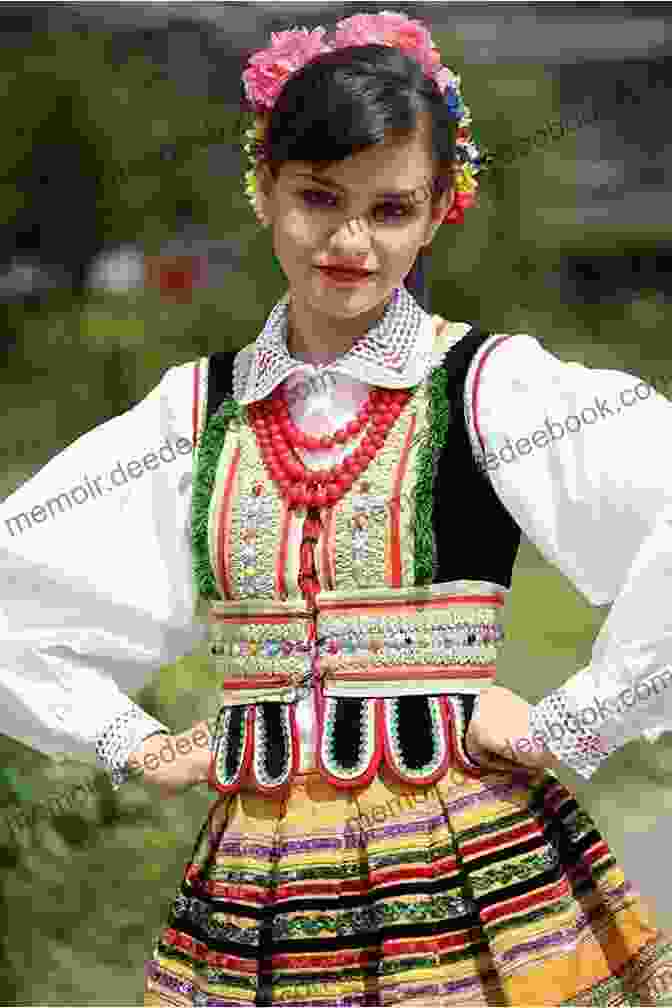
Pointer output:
x,y
270,68
446,78
391,29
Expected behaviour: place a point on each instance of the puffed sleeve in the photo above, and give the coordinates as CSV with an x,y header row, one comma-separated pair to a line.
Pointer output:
x,y
580,458
98,587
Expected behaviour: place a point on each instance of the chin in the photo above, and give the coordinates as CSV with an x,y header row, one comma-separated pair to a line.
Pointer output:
x,y
347,302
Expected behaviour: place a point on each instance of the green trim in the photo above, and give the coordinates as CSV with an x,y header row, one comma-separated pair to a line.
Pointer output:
x,y
428,454
209,453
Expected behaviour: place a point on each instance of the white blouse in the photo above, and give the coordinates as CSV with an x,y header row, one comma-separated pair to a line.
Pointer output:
x,y
99,587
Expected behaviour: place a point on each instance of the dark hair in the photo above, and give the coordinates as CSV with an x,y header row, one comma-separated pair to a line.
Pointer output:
x,y
343,102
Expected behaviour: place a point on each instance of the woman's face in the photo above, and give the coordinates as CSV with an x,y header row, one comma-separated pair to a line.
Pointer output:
x,y
372,211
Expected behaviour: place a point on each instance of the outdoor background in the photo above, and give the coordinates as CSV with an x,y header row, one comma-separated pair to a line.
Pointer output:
x,y
120,152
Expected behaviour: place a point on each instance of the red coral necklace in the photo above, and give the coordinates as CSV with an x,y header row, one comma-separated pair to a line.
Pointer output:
x,y
278,437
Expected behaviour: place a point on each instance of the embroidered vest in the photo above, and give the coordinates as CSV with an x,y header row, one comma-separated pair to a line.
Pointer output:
x,y
412,563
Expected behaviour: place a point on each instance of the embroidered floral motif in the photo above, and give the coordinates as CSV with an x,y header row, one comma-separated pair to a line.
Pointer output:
x,y
366,507
423,639
256,512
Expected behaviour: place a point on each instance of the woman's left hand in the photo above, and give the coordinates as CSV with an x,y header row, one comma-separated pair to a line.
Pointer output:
x,y
499,734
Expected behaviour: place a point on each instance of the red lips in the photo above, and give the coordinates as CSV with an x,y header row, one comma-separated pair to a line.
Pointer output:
x,y
345,268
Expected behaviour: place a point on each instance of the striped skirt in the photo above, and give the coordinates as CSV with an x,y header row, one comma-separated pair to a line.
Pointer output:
x,y
490,891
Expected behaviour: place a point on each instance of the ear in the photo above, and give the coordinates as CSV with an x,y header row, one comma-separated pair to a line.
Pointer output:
x,y
265,183
439,211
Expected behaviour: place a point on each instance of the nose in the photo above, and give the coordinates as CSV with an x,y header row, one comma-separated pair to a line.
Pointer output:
x,y
352,240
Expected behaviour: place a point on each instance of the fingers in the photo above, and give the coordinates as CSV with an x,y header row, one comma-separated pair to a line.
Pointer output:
x,y
488,760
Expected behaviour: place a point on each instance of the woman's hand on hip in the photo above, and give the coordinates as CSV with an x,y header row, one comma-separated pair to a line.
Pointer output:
x,y
174,763
499,734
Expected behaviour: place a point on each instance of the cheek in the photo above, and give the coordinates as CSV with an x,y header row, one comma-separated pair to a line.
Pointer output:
x,y
404,244
295,234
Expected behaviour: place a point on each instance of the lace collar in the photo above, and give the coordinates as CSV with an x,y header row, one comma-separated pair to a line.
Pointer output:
x,y
395,353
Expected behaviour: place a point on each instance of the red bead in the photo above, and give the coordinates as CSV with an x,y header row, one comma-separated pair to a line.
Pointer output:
x,y
312,443
378,439
332,492
353,427
294,470
369,453
349,465
306,558
312,528
396,409
299,495
341,436
320,498
326,441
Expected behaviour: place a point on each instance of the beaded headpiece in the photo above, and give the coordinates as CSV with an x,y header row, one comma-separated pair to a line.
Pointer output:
x,y
269,70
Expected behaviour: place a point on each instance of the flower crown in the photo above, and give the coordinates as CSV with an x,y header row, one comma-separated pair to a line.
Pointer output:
x,y
269,70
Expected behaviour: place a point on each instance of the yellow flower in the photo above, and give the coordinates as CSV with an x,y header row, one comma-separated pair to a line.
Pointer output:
x,y
250,182
464,179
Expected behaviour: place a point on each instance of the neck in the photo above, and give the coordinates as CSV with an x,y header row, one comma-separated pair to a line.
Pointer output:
x,y
319,339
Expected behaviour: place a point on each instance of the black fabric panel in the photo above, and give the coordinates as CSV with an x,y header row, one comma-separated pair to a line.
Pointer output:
x,y
276,755
235,741
347,744
415,731
476,537
220,380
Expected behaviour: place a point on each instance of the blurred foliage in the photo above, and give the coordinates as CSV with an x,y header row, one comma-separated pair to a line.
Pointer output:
x,y
83,893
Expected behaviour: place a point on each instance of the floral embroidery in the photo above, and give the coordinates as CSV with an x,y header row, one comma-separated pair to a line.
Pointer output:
x,y
256,512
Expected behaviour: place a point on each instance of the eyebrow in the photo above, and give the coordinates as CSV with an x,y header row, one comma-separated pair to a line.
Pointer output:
x,y
323,180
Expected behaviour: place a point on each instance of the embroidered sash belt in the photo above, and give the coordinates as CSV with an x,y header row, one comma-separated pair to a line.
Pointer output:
x,y
395,670
376,643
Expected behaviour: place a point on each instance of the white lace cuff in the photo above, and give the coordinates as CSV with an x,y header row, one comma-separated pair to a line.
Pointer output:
x,y
569,739
122,737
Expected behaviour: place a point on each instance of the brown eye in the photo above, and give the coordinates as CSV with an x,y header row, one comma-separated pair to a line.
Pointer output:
x,y
318,198
391,210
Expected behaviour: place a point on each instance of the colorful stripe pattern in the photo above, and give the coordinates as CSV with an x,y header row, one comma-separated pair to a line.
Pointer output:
x,y
498,890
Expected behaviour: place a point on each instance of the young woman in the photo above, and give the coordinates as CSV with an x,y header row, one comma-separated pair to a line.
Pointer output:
x,y
377,837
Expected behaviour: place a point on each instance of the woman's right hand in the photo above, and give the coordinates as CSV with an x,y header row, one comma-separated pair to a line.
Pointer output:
x,y
173,763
